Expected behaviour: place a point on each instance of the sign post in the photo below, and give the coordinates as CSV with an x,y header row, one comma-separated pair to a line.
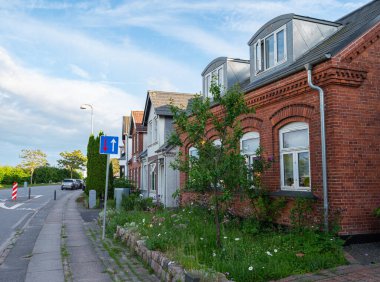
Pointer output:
x,y
108,145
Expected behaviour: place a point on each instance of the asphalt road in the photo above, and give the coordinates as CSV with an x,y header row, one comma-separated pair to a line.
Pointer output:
x,y
14,215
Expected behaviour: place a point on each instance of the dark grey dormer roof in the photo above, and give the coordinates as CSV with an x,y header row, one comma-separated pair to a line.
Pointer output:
x,y
352,27
160,101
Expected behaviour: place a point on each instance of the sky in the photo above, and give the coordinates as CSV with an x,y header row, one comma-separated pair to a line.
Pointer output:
x,y
57,55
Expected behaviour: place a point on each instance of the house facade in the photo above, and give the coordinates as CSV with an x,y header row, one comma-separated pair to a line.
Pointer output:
x,y
158,179
292,123
136,133
123,155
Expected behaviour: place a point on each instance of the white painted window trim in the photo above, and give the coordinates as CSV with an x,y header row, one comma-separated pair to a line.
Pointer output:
x,y
262,56
294,126
208,79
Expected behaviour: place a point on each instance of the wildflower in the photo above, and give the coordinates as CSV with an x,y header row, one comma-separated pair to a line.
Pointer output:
x,y
213,254
269,253
250,268
159,224
275,250
192,203
237,239
159,234
225,237
202,239
143,221
151,225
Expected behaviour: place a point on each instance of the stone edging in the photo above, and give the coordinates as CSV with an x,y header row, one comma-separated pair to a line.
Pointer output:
x,y
165,269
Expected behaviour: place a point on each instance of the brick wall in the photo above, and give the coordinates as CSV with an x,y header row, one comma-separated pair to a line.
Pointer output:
x,y
352,114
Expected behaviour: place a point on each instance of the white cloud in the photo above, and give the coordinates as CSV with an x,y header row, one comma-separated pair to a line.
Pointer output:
x,y
79,71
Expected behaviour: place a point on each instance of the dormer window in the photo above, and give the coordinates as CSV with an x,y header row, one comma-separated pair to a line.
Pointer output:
x,y
217,76
271,50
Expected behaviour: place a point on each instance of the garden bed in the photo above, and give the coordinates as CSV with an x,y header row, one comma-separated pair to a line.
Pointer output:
x,y
248,253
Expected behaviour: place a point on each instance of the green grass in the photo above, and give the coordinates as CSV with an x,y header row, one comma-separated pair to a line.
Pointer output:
x,y
248,253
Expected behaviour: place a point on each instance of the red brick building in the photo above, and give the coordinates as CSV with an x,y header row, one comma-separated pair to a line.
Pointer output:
x,y
344,57
136,132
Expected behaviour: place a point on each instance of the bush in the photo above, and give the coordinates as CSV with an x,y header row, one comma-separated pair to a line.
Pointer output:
x,y
376,212
9,174
123,183
135,202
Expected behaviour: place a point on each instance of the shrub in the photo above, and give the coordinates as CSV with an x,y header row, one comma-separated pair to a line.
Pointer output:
x,y
135,202
376,212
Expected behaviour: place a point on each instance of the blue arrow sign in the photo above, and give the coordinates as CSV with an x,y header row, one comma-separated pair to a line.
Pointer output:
x,y
109,144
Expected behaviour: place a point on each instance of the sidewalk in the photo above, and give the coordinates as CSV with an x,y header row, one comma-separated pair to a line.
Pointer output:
x,y
63,234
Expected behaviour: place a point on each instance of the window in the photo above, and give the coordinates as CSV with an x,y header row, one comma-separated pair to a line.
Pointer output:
x,y
294,155
270,51
150,132
193,152
249,143
152,177
216,75
155,138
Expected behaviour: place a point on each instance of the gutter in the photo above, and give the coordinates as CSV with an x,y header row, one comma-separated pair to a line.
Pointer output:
x,y
323,145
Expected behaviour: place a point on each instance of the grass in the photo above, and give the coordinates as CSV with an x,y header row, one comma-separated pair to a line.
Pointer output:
x,y
248,253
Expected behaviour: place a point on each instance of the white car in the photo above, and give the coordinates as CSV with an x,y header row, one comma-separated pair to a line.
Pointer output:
x,y
69,184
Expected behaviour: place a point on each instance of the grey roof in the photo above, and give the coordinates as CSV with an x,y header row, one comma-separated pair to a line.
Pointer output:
x,y
353,25
143,154
161,102
222,60
164,148
289,17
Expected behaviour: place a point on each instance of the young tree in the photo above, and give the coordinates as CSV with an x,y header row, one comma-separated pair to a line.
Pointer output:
x,y
32,159
115,166
217,167
72,160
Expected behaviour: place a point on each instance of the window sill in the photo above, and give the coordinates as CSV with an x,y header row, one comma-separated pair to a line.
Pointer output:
x,y
293,194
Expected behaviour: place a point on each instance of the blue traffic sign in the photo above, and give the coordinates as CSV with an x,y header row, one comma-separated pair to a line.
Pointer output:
x,y
109,144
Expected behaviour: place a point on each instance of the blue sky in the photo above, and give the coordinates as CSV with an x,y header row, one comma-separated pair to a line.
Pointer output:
x,y
57,55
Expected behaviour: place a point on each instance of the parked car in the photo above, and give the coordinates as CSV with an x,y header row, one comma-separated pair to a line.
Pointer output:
x,y
69,184
81,184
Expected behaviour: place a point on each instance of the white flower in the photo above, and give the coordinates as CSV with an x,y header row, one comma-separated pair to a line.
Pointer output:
x,y
201,239
213,254
269,253
171,262
143,220
225,237
275,250
250,268
150,225
159,234
237,239
159,224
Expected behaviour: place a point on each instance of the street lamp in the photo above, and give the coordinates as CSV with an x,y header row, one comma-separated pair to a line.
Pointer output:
x,y
85,107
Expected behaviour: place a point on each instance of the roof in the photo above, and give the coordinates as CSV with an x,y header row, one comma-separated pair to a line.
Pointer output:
x,y
353,26
143,154
164,148
161,102
136,121
223,60
289,17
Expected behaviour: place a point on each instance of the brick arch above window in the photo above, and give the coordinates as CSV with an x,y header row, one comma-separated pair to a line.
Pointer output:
x,y
295,110
250,123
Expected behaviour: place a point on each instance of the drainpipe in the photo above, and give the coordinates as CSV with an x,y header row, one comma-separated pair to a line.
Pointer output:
x,y
323,143
166,190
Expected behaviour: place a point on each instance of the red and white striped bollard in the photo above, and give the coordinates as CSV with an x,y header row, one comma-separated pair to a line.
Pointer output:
x,y
14,191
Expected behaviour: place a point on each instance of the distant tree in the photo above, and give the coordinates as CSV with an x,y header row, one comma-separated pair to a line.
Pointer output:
x,y
115,166
32,159
217,167
72,160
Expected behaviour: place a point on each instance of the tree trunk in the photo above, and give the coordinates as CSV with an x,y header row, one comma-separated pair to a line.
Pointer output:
x,y
71,172
31,177
217,223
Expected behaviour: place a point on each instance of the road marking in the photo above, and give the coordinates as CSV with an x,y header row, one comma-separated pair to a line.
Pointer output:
x,y
37,196
2,205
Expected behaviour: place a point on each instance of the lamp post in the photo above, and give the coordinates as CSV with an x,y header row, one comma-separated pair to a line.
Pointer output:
x,y
85,107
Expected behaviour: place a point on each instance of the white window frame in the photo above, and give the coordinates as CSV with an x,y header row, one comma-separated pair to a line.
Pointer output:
x,y
191,150
209,76
262,56
249,156
294,126
150,132
155,129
